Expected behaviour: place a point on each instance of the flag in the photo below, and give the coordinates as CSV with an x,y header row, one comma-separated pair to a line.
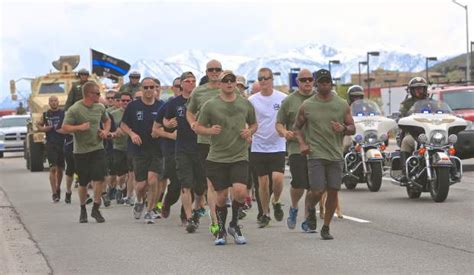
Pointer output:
x,y
108,66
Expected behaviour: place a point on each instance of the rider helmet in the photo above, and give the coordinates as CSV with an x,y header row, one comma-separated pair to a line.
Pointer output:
x,y
418,82
354,93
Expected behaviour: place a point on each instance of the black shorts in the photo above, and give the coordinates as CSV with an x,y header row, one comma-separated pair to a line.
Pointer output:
x,y
299,171
203,150
266,163
146,162
70,163
55,154
90,166
324,174
109,161
223,175
120,162
169,167
191,172
130,161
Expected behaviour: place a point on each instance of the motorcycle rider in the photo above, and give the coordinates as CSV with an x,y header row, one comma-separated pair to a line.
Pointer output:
x,y
355,92
418,89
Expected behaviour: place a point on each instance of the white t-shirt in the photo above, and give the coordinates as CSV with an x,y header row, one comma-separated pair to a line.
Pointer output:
x,y
266,139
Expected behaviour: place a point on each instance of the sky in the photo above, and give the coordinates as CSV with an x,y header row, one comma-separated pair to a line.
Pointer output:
x,y
34,33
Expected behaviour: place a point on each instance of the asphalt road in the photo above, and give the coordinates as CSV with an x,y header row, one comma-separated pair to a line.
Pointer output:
x,y
383,232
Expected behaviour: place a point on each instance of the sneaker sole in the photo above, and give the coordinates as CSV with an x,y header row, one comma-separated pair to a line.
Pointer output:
x,y
220,242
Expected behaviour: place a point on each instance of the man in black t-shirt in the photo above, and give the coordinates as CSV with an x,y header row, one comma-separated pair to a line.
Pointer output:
x,y
137,123
50,123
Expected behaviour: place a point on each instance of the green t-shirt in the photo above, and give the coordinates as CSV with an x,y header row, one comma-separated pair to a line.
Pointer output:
x,y
129,87
120,143
74,95
89,140
287,115
199,96
228,146
323,142
406,105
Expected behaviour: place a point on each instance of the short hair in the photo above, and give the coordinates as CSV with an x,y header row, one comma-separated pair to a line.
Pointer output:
x,y
87,87
149,78
157,81
265,69
127,94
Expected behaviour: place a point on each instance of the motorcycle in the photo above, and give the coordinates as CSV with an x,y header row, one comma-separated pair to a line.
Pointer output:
x,y
365,159
433,166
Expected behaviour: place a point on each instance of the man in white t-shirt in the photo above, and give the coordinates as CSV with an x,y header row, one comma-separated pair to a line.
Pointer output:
x,y
268,148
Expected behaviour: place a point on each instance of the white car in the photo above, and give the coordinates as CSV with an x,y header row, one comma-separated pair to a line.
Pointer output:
x,y
12,133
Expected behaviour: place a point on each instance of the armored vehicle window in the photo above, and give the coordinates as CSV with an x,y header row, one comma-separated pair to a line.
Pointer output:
x,y
51,88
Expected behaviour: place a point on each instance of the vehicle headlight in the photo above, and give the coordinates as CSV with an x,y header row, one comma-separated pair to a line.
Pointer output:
x,y
452,138
370,137
438,138
422,138
358,138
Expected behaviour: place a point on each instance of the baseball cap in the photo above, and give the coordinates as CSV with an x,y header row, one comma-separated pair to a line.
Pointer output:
x,y
323,74
186,75
241,80
83,71
225,73
134,74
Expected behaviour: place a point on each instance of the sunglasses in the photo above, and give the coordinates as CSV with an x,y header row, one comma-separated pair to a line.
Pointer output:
x,y
228,79
148,87
110,97
306,79
83,74
177,86
135,77
126,100
214,70
189,81
262,78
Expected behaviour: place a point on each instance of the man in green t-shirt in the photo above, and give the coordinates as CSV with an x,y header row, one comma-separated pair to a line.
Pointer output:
x,y
230,121
75,94
321,123
298,163
82,120
199,96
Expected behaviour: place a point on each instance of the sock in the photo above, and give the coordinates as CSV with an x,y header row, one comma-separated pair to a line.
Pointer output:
x,y
96,206
221,216
235,212
83,207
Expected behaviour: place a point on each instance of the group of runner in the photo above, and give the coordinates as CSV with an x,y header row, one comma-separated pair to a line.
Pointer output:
x,y
208,145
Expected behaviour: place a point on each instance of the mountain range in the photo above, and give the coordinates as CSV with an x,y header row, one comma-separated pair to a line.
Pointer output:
x,y
312,57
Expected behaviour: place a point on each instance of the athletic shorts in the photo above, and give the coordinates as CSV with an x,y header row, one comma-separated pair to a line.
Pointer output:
x,y
146,162
55,154
299,171
109,160
266,163
130,161
223,175
191,172
90,166
70,163
324,174
120,162
203,150
169,167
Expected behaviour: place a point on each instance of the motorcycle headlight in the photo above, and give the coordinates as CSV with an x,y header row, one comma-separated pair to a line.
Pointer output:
x,y
438,138
452,138
370,137
358,138
383,137
422,138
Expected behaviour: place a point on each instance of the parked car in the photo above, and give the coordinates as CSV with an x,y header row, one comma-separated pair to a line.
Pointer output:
x,y
461,101
12,133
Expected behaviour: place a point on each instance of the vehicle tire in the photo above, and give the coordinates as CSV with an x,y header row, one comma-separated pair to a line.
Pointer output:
x,y
374,180
412,193
439,188
36,156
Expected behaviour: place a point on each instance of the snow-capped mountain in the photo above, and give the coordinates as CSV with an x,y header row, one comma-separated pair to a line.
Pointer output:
x,y
312,57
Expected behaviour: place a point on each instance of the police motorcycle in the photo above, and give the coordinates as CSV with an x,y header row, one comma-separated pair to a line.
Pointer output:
x,y
365,159
433,166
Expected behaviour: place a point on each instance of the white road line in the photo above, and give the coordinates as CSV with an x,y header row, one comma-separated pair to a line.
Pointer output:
x,y
350,218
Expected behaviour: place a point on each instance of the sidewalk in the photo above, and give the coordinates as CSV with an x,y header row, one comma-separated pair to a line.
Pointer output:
x,y
18,252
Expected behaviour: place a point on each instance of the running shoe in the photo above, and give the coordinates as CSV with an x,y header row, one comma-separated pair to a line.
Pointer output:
x,y
277,211
149,217
105,199
195,217
68,198
325,235
191,226
291,221
221,237
83,216
201,211
264,221
242,213
156,214
138,210
235,232
95,213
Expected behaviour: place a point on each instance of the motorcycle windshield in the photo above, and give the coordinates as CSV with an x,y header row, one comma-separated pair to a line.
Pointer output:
x,y
365,107
430,106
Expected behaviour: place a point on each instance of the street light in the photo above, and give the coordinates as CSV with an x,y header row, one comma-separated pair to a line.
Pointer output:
x,y
368,70
390,81
468,65
433,58
333,62
361,63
